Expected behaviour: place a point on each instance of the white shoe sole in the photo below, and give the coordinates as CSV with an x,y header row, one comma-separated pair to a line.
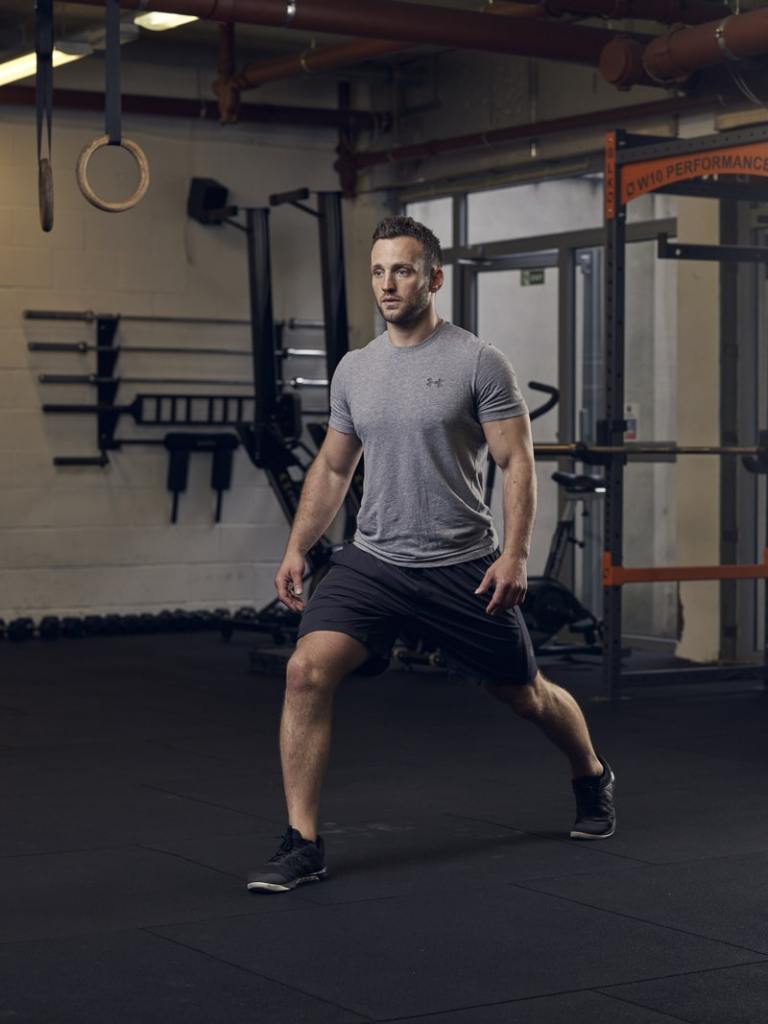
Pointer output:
x,y
274,887
591,835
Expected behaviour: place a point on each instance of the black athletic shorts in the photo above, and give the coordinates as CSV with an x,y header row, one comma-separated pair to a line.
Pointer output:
x,y
373,601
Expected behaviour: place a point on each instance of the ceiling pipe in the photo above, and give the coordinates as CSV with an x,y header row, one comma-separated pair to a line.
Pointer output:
x,y
313,60
521,9
328,58
414,23
669,12
674,56
324,58
526,132
205,110
229,98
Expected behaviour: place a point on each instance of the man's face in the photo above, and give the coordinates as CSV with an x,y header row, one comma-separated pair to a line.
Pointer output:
x,y
402,282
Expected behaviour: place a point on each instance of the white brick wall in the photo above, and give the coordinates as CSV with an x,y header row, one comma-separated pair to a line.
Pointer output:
x,y
76,540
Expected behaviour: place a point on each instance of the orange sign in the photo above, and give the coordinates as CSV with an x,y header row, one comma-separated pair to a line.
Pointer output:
x,y
648,175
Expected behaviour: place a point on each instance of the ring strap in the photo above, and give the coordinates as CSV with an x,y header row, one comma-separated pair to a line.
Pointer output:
x,y
44,105
112,107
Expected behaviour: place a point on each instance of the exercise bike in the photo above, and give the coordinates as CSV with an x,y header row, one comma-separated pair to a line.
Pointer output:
x,y
549,606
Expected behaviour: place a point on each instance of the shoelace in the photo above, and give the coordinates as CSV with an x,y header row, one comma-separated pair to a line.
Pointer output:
x,y
592,801
286,847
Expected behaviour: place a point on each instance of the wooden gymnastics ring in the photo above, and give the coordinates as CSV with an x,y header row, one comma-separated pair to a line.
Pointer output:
x,y
45,192
85,186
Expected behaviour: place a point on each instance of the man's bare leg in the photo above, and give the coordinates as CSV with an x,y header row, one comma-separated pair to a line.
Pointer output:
x,y
559,717
318,665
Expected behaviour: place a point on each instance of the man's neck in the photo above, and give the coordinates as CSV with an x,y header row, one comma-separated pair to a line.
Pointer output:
x,y
407,335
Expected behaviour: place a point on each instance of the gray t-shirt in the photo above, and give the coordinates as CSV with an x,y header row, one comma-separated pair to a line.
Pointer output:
x,y
417,412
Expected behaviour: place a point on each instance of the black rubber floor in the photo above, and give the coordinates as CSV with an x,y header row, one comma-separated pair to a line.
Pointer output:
x,y
140,782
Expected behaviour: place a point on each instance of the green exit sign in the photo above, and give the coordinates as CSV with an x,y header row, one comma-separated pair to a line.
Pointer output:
x,y
532,276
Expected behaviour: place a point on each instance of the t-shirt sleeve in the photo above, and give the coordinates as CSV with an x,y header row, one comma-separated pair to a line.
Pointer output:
x,y
497,395
341,417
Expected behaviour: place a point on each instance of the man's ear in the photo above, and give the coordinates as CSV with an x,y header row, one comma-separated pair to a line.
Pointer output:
x,y
437,279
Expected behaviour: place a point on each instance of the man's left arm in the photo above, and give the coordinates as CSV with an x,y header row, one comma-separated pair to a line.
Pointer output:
x,y
511,446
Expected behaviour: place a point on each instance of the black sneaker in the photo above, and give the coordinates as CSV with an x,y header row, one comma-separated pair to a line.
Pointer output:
x,y
595,816
298,860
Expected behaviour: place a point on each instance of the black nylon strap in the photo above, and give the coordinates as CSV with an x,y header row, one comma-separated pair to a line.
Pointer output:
x,y
113,126
44,79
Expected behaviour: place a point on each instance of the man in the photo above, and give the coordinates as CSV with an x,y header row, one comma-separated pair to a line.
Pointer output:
x,y
425,401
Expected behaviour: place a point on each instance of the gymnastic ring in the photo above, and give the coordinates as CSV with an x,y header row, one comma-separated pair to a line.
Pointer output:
x,y
45,193
85,186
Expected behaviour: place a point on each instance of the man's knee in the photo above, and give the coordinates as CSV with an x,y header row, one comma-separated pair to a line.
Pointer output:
x,y
526,700
308,675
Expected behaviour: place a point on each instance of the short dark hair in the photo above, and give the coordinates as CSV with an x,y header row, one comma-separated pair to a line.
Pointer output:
x,y
398,227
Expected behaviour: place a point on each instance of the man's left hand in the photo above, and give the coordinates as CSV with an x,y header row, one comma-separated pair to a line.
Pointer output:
x,y
508,577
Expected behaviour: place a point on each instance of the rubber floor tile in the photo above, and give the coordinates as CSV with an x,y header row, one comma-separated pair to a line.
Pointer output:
x,y
736,995
112,889
724,898
570,1008
363,794
58,768
138,978
439,951
642,767
118,816
41,730
385,857
661,825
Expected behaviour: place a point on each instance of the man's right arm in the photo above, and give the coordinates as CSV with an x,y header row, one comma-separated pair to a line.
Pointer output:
x,y
324,489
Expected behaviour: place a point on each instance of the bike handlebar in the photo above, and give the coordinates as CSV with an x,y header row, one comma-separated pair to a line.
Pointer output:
x,y
551,402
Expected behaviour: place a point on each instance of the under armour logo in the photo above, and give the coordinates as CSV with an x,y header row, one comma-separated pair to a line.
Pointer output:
x,y
434,382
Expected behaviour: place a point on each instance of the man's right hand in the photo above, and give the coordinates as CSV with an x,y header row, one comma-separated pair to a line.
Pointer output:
x,y
288,581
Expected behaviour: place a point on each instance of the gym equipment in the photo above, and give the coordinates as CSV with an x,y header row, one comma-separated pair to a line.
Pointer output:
x,y
727,165
20,630
269,444
113,128
180,620
88,316
107,383
170,410
49,627
94,381
534,414
549,605
44,106
72,626
181,446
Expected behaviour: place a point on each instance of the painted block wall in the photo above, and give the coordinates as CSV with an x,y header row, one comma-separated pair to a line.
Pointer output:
x,y
75,540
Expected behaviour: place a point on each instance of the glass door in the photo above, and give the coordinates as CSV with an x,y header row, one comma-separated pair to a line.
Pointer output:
x,y
517,311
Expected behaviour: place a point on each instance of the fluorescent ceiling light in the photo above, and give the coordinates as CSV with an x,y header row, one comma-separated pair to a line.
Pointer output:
x,y
159,21
26,65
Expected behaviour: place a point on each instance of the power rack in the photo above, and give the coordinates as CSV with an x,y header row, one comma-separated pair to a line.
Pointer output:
x,y
729,165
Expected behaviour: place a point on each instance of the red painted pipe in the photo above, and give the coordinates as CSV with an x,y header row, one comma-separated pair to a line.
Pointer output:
x,y
206,110
676,54
689,12
415,23
323,58
524,132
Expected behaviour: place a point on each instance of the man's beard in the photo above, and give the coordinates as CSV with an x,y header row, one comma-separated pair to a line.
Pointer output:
x,y
407,313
